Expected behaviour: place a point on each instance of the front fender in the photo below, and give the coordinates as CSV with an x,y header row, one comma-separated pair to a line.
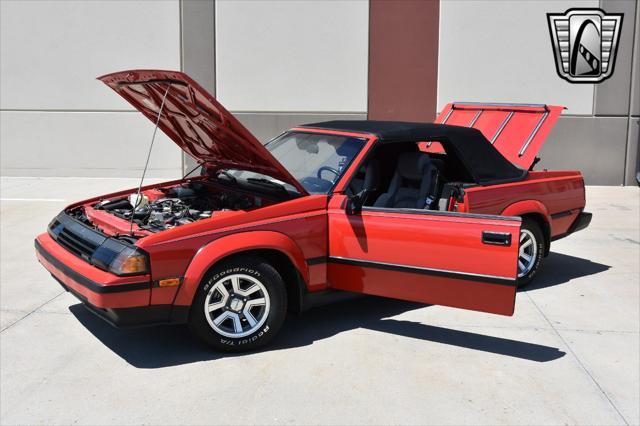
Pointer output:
x,y
527,207
213,252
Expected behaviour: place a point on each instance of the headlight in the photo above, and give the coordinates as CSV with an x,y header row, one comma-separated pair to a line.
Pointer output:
x,y
130,261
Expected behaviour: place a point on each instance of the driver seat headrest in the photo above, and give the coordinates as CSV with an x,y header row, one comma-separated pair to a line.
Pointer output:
x,y
413,165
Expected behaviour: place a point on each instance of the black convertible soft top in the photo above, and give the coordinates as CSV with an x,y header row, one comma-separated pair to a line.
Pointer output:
x,y
483,162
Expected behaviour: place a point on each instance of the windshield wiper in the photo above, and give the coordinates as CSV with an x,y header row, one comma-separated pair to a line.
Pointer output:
x,y
263,181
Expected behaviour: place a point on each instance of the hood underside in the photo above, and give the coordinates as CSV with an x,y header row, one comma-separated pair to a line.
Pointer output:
x,y
196,121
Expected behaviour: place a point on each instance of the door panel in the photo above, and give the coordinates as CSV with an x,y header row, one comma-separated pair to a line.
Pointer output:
x,y
465,261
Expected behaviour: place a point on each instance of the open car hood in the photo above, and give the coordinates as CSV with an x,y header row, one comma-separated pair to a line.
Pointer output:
x,y
196,122
517,131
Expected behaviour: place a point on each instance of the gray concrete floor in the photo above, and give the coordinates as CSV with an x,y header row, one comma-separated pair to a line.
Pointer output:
x,y
569,355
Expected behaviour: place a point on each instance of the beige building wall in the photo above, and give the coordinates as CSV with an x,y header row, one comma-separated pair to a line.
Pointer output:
x,y
279,63
55,118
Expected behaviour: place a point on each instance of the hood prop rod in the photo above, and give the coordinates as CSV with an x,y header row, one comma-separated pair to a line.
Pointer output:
x,y
198,165
146,164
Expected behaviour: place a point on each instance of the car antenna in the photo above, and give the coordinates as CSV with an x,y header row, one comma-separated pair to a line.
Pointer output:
x,y
146,164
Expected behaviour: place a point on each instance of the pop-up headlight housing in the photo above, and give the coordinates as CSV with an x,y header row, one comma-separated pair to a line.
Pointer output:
x,y
107,253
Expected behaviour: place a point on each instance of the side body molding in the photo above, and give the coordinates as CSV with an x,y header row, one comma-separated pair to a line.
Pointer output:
x,y
213,252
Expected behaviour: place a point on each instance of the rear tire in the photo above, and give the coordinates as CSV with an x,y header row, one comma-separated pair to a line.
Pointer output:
x,y
531,247
240,305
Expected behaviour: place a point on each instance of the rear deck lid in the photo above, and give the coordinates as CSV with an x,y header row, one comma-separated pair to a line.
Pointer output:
x,y
517,131
196,121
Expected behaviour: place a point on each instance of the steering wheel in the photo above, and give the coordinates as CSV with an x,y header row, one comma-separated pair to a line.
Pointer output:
x,y
329,169
315,185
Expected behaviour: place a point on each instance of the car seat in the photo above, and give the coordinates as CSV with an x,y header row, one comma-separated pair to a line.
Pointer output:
x,y
370,181
412,183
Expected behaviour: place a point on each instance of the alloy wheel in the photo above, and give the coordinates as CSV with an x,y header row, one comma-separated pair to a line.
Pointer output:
x,y
527,253
237,305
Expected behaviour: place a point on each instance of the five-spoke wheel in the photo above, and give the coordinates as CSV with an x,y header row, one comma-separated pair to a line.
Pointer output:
x,y
530,252
527,253
240,304
237,305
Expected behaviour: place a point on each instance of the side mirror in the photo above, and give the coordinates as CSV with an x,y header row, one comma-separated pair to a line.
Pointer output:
x,y
356,201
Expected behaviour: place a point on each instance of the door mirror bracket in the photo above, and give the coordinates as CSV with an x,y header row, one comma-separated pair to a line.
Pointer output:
x,y
356,201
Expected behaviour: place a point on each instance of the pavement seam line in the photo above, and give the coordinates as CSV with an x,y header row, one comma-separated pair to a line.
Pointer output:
x,y
28,314
575,356
51,313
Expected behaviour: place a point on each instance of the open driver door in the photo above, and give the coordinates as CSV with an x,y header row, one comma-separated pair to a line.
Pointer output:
x,y
460,260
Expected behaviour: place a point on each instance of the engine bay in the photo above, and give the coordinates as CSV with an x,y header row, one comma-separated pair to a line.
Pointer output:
x,y
160,209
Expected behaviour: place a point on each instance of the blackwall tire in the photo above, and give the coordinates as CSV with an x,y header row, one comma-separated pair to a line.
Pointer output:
x,y
240,305
531,247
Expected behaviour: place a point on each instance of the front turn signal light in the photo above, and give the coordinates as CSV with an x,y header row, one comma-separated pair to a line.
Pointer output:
x,y
130,261
169,282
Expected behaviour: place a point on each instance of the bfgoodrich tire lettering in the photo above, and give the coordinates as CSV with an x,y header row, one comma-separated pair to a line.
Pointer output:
x,y
240,305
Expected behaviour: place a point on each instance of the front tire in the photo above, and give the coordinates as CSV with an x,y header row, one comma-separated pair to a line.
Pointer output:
x,y
530,251
240,305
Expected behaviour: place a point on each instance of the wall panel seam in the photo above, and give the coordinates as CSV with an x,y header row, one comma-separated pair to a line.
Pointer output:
x,y
67,110
216,62
300,112
180,36
631,87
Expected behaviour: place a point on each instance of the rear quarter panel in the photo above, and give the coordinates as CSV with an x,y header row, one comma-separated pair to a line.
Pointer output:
x,y
558,196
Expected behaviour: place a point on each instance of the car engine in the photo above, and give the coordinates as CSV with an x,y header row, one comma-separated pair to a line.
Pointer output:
x,y
179,206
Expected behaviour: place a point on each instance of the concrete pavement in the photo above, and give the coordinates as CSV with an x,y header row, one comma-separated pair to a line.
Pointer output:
x,y
569,355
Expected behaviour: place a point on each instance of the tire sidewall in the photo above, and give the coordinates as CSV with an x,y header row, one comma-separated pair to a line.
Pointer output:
x,y
263,272
534,228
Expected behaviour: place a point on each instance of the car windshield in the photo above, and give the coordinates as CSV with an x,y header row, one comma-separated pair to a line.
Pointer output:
x,y
316,160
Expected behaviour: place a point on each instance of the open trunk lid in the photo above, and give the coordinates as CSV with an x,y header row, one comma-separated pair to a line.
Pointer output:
x,y
196,121
517,131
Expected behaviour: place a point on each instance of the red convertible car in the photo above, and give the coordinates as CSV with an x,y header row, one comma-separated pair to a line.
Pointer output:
x,y
448,213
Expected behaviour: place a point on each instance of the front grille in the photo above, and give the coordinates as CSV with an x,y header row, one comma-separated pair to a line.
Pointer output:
x,y
85,242
76,237
76,244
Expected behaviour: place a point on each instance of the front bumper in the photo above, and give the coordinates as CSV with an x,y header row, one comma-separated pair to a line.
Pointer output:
x,y
138,316
121,301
